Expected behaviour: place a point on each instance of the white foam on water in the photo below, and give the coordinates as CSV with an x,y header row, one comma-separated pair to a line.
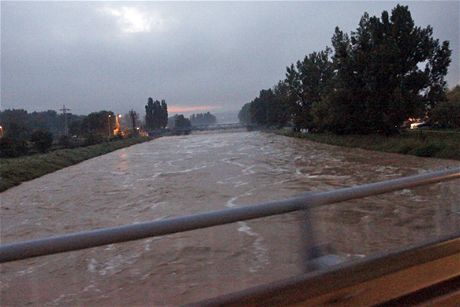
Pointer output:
x,y
110,247
232,162
92,265
248,170
230,203
240,183
259,250
184,171
25,272
91,287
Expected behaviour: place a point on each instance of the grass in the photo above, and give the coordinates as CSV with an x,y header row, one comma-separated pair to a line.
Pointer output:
x,y
422,143
13,171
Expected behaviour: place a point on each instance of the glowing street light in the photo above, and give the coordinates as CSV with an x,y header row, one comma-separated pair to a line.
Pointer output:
x,y
110,128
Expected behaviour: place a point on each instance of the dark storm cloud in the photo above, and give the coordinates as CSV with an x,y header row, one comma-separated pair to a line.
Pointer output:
x,y
94,55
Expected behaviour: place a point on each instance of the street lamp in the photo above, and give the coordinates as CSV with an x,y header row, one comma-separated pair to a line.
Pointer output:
x,y
110,128
119,121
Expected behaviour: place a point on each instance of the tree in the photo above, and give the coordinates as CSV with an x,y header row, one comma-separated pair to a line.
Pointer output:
x,y
308,82
270,108
244,115
133,118
42,140
10,147
149,117
47,120
182,123
446,114
156,114
379,82
19,123
259,109
15,123
283,103
201,119
164,114
454,94
75,126
370,81
99,123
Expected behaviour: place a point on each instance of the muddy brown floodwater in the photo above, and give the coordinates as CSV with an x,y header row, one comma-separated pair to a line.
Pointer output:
x,y
174,176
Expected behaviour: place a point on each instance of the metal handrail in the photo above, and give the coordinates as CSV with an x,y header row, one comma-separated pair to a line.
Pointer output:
x,y
369,281
104,236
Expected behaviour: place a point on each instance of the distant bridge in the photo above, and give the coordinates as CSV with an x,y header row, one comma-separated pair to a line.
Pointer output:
x,y
219,127
184,131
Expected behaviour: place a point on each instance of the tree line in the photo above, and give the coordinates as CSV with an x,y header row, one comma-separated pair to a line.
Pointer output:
x,y
202,119
369,81
24,133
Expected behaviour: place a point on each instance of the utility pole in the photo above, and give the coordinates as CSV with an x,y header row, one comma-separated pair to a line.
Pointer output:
x,y
64,113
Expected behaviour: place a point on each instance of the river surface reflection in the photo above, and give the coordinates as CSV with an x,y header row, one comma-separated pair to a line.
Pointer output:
x,y
174,176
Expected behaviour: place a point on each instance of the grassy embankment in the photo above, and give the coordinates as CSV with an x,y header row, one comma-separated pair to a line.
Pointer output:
x,y
13,171
422,143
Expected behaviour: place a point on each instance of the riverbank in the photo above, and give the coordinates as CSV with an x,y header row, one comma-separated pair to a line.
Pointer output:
x,y
17,170
422,143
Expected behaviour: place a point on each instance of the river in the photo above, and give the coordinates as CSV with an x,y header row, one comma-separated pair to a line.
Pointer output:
x,y
175,176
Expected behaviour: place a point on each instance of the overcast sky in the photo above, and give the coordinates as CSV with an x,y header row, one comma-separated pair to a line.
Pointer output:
x,y
197,56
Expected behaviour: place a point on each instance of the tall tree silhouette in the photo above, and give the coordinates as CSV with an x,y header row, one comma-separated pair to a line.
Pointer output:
x,y
133,118
149,114
164,114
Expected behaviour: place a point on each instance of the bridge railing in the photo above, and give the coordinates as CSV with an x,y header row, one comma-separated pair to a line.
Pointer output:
x,y
87,239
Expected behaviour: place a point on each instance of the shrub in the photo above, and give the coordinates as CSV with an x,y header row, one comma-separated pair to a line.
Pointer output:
x,y
426,151
69,142
42,140
10,148
446,114
93,139
403,148
64,141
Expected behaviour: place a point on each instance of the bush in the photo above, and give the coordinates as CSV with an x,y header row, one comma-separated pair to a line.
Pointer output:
x,y
404,149
42,140
446,114
68,142
116,137
64,141
93,139
426,151
10,148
